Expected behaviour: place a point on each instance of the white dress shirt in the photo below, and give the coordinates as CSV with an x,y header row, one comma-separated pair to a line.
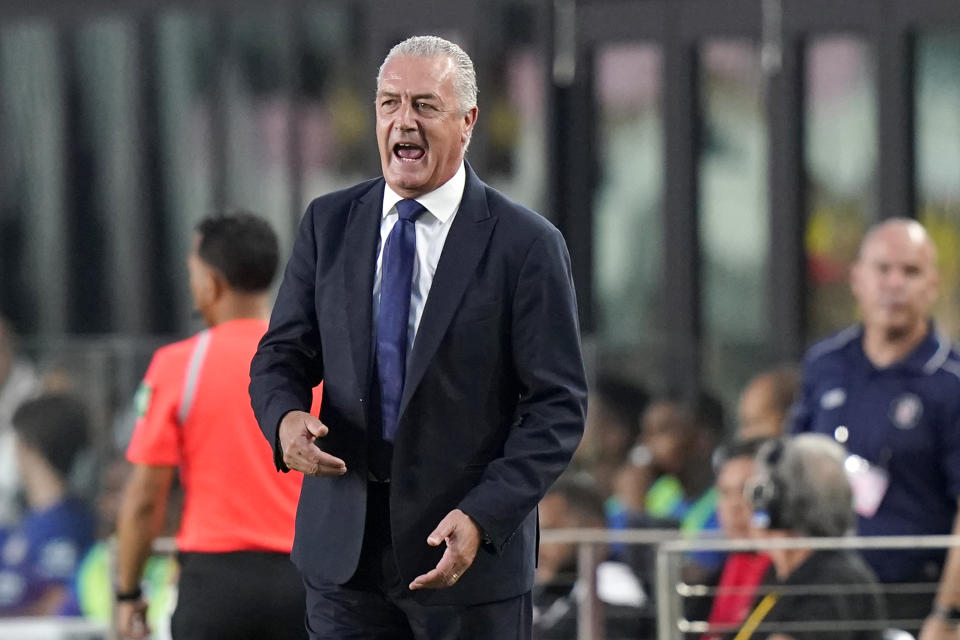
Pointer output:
x,y
432,228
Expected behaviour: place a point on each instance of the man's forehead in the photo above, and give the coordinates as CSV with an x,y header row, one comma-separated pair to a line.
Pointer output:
x,y
429,71
900,244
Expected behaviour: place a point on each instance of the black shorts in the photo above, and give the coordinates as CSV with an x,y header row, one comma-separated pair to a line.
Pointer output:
x,y
238,595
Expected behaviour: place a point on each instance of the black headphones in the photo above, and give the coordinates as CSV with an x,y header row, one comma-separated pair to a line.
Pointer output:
x,y
766,489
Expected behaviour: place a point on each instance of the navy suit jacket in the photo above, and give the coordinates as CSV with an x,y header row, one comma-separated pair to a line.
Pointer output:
x,y
494,399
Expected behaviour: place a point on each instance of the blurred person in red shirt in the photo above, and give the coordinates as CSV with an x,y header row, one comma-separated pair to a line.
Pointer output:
x,y
743,571
236,580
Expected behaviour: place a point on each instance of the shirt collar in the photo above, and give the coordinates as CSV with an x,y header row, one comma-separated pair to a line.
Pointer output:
x,y
927,357
442,202
930,353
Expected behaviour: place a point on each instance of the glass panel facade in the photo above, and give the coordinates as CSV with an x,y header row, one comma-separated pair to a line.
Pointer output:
x,y
734,225
185,108
257,79
111,216
334,112
938,162
513,111
840,157
33,159
628,230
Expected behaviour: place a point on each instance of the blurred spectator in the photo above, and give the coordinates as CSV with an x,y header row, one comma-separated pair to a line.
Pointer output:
x,y
236,579
95,576
39,557
681,437
631,483
801,490
18,382
889,389
743,571
765,403
575,503
612,428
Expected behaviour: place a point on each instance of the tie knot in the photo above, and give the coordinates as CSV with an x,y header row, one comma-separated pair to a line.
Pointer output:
x,y
409,209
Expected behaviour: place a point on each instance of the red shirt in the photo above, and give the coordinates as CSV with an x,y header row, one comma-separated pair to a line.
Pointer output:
x,y
742,574
194,412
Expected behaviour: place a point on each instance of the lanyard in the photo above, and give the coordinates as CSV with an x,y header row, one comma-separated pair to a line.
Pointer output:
x,y
756,617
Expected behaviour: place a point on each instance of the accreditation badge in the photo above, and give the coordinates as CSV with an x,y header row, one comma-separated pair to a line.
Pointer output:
x,y
869,483
142,398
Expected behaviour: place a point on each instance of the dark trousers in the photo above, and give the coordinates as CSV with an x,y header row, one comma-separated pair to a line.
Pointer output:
x,y
375,604
243,595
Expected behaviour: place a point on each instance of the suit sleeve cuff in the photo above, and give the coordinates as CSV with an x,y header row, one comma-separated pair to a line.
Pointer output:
x,y
489,540
274,416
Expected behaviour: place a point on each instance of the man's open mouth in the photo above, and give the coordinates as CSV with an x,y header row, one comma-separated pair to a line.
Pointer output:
x,y
407,151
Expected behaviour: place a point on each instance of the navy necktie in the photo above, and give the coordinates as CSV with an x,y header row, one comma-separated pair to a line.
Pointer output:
x,y
396,277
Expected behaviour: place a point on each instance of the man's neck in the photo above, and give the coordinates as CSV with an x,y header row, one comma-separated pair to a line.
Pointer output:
x,y
238,306
696,478
884,348
786,561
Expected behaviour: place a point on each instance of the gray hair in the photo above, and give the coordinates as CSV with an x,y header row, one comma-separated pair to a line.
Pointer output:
x,y
816,496
465,77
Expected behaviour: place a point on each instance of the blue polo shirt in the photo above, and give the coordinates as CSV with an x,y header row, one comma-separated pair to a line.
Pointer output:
x,y
904,418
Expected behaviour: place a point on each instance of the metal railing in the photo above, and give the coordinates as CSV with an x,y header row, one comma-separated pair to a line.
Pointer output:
x,y
671,547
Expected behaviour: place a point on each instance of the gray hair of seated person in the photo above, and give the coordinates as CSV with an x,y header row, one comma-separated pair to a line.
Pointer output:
x,y
816,498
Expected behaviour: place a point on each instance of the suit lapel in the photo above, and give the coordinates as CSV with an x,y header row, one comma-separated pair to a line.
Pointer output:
x,y
461,253
360,256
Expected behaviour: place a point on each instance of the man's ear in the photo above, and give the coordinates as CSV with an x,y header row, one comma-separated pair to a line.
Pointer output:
x,y
469,120
204,287
217,285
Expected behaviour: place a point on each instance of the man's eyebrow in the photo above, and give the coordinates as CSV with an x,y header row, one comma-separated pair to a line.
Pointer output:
x,y
419,96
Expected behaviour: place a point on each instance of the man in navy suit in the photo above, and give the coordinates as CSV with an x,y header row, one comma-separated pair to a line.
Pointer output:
x,y
417,516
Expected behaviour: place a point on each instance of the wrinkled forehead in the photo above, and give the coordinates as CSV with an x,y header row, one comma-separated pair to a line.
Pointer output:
x,y
416,74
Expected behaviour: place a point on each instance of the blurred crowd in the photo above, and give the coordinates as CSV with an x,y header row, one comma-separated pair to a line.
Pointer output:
x,y
59,494
859,438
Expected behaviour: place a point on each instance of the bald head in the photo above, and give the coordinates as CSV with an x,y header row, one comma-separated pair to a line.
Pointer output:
x,y
901,231
894,278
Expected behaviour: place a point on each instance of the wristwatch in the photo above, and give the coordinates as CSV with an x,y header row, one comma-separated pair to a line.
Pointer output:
x,y
129,596
950,615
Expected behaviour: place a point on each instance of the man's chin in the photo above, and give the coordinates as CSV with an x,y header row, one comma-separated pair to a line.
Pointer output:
x,y
895,331
405,184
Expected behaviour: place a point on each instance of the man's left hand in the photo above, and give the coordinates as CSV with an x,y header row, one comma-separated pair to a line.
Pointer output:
x,y
462,537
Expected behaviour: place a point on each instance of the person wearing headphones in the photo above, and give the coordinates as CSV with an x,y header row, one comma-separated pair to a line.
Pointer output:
x,y
800,489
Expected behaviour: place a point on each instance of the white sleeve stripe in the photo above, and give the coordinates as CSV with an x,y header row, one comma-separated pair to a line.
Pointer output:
x,y
951,367
838,341
940,357
194,365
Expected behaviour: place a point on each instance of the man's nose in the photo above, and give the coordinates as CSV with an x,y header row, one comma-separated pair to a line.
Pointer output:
x,y
895,278
406,116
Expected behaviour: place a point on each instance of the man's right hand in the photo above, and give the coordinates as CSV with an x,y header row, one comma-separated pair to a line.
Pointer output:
x,y
131,619
298,430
